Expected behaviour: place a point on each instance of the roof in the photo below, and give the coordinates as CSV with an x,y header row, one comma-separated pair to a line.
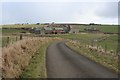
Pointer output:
x,y
59,29
48,28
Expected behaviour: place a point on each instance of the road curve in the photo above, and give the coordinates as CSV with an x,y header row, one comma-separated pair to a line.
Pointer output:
x,y
62,62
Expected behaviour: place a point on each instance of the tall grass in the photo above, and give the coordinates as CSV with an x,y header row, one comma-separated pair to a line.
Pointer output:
x,y
16,57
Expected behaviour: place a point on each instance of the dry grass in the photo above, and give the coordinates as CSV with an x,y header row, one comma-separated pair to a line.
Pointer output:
x,y
16,56
96,53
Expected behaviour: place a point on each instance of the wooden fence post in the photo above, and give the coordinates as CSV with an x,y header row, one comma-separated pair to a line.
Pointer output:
x,y
21,37
16,38
105,47
8,40
97,47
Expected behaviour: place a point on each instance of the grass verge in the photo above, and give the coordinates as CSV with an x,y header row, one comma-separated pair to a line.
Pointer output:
x,y
25,55
108,60
37,65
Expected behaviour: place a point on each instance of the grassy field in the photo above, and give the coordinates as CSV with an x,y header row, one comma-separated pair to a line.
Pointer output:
x,y
11,31
109,41
102,28
80,36
106,41
21,26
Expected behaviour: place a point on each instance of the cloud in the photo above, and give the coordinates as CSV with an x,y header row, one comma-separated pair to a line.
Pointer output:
x,y
99,12
59,0
107,10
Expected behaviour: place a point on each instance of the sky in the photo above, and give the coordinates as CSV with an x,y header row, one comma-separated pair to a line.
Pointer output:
x,y
60,11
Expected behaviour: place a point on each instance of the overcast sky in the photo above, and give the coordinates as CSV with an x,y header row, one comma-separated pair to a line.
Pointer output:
x,y
73,11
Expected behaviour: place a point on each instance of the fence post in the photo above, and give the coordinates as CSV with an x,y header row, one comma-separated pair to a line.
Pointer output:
x,y
16,38
97,46
105,47
8,40
20,36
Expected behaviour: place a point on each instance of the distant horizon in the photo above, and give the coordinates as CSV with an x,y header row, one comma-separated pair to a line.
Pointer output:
x,y
55,23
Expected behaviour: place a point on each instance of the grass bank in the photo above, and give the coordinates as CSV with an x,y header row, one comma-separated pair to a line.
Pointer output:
x,y
37,65
22,54
97,54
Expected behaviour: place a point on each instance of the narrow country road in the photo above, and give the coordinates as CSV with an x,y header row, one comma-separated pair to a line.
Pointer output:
x,y
62,62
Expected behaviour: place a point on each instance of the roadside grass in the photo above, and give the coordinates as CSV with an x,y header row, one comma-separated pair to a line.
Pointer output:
x,y
17,56
109,60
37,66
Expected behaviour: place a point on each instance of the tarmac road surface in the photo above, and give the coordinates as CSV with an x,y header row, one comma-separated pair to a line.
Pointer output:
x,y
62,62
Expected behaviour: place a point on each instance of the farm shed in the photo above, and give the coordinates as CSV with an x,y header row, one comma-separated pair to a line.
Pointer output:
x,y
57,30
39,31
48,30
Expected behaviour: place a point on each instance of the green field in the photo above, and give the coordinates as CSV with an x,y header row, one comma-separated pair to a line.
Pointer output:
x,y
80,36
102,28
110,42
21,26
12,31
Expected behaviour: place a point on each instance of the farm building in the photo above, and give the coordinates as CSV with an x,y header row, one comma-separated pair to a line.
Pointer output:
x,y
58,30
74,29
38,30
43,30
51,29
47,30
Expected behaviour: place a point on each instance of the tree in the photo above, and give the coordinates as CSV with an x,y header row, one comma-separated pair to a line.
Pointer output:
x,y
37,23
